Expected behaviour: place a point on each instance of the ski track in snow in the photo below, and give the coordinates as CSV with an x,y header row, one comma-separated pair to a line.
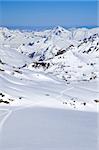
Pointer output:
x,y
6,116
8,112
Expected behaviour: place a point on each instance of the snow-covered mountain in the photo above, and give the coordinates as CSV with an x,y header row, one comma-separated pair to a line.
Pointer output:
x,y
70,54
59,56
49,89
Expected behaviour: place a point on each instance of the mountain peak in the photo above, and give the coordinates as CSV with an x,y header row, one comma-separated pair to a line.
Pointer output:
x,y
59,28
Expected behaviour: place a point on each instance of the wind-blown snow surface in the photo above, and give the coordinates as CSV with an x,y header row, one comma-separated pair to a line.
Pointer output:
x,y
55,73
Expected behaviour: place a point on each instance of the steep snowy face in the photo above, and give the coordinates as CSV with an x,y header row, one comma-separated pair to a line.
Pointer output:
x,y
90,45
69,58
12,57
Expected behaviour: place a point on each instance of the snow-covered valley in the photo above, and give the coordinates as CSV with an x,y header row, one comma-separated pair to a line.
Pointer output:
x,y
49,89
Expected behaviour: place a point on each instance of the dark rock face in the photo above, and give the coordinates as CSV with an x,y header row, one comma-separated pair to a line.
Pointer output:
x,y
60,52
40,64
31,55
30,44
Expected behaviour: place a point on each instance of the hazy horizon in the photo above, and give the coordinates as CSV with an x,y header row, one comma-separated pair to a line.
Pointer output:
x,y
40,28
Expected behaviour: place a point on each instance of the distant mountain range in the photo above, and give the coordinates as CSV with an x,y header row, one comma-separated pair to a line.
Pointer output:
x,y
69,54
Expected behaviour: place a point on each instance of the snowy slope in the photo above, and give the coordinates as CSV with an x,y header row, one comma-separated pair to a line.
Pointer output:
x,y
49,89
50,64
49,129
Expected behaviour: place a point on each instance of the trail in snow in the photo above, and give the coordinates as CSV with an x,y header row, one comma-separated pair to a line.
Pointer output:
x,y
6,116
3,121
